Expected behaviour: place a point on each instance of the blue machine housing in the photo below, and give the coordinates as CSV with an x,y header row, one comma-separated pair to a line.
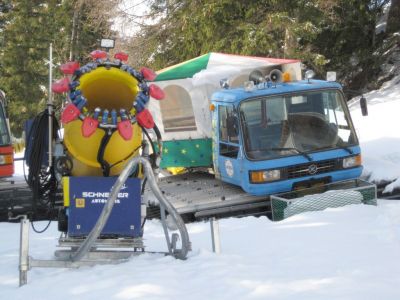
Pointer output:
x,y
235,170
87,197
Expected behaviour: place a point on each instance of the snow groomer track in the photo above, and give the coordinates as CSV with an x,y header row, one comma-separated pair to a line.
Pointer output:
x,y
197,196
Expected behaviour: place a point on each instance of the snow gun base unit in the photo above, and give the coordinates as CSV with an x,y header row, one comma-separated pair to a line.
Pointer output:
x,y
102,222
102,164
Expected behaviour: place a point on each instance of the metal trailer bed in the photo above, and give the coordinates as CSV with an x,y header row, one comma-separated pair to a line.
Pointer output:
x,y
199,196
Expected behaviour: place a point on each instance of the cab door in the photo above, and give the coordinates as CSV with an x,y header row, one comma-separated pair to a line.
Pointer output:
x,y
228,149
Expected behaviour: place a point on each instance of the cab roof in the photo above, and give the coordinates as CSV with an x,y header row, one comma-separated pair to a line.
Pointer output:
x,y
239,94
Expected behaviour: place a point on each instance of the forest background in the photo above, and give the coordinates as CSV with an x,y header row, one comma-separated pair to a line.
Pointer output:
x,y
346,36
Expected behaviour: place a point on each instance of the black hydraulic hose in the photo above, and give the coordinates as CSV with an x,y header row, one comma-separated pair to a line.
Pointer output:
x,y
146,133
143,185
156,156
126,157
41,179
159,139
105,166
94,234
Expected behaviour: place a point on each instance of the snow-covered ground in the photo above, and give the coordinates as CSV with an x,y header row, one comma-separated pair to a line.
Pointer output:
x,y
379,133
351,252
346,253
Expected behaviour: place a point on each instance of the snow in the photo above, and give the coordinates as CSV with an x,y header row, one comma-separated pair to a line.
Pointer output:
x,y
351,252
379,133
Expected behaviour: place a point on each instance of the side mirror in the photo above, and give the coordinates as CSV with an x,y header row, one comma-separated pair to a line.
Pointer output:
x,y
364,107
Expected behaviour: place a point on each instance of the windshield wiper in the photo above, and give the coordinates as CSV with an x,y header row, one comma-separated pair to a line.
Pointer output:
x,y
346,149
341,145
292,148
337,146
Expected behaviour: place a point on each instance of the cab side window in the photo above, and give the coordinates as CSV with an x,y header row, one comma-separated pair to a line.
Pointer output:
x,y
228,131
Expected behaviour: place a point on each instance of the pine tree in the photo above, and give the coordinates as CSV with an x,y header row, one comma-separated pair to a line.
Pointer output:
x,y
325,34
23,70
261,27
29,29
348,40
393,22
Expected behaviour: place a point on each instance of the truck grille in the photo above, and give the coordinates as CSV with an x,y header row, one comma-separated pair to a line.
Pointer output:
x,y
312,168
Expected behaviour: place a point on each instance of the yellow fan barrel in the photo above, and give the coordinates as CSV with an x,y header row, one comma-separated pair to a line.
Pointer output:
x,y
104,88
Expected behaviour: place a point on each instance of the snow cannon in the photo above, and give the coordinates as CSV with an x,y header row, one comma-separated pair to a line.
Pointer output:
x,y
105,113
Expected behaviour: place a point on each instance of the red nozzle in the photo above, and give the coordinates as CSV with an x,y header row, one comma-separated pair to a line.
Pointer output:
x,y
60,86
148,74
145,119
125,129
156,92
98,54
70,113
89,126
122,56
69,68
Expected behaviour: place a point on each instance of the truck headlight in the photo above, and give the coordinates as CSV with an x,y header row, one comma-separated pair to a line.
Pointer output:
x,y
264,176
352,161
6,159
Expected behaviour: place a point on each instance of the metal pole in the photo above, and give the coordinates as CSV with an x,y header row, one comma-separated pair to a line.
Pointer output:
x,y
50,106
215,240
164,225
24,252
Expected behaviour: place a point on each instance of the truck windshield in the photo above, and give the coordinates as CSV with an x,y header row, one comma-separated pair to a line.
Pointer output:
x,y
284,125
4,134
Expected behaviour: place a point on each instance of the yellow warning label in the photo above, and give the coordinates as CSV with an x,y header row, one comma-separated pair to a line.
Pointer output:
x,y
80,202
66,191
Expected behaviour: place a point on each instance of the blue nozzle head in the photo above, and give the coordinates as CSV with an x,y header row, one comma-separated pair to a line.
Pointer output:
x,y
141,101
105,117
74,84
114,117
73,95
96,113
81,103
144,88
122,113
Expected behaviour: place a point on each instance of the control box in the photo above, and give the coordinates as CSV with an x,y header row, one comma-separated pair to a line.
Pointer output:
x,y
85,198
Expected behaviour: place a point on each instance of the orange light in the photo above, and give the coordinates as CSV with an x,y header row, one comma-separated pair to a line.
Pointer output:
x,y
212,107
286,77
6,159
257,176
358,160
265,176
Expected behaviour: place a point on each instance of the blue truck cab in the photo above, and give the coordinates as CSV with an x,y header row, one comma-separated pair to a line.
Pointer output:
x,y
278,137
